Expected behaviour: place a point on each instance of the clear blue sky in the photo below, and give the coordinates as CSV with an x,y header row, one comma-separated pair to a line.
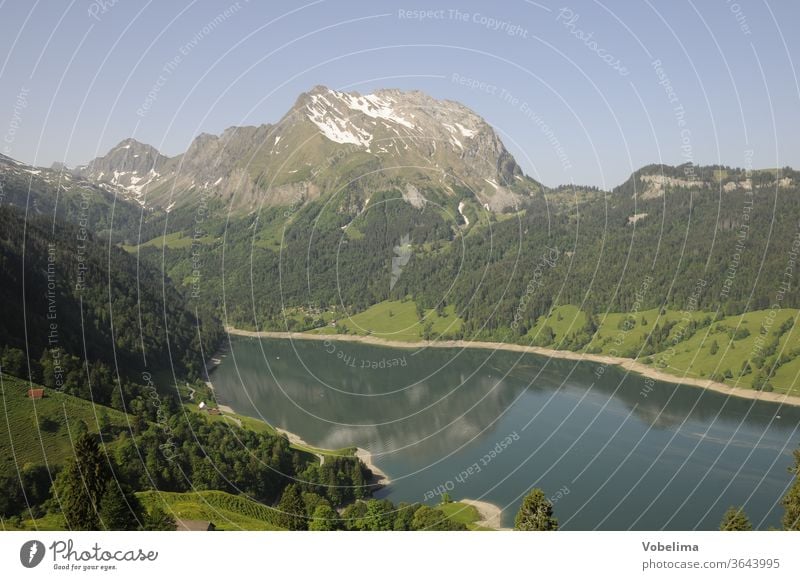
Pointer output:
x,y
75,77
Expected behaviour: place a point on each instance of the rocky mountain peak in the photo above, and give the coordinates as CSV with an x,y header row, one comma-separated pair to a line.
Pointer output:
x,y
129,166
397,138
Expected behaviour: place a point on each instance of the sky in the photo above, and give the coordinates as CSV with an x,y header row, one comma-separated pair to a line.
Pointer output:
x,y
580,91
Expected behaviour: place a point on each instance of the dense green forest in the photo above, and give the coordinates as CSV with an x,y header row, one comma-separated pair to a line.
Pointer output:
x,y
690,258
122,318
107,336
69,297
696,246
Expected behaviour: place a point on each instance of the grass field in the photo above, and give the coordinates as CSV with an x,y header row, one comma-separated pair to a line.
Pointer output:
x,y
716,350
42,431
48,523
398,320
463,513
564,320
226,511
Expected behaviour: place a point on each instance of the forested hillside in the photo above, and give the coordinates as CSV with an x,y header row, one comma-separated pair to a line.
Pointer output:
x,y
586,248
68,295
116,347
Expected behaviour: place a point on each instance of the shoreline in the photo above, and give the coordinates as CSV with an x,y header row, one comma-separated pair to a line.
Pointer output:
x,y
491,514
625,363
379,477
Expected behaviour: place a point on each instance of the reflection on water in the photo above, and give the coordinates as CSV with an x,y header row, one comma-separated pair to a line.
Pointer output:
x,y
668,457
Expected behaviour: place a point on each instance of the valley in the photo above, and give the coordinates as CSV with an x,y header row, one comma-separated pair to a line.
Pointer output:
x,y
369,238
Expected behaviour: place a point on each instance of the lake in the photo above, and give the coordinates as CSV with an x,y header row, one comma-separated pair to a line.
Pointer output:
x,y
611,451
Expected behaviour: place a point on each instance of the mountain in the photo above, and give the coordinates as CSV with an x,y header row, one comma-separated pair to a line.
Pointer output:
x,y
653,181
130,167
56,192
329,142
312,212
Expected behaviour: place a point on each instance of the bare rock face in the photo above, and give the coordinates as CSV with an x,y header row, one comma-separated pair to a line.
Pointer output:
x,y
328,141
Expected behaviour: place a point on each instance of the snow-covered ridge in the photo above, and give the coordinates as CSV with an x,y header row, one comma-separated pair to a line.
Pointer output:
x,y
360,119
375,107
335,128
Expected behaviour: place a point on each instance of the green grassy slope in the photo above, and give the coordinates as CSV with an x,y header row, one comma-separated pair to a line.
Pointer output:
x,y
226,511
696,346
42,431
715,349
463,513
398,320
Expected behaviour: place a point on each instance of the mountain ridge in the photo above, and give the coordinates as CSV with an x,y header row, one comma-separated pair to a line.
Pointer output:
x,y
383,137
332,143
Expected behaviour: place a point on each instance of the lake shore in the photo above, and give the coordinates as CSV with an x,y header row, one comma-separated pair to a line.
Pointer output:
x,y
490,513
379,477
625,363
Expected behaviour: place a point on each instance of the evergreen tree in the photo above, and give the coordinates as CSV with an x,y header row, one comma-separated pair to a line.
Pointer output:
x,y
104,422
119,510
82,484
292,509
791,501
158,520
536,513
735,520
359,487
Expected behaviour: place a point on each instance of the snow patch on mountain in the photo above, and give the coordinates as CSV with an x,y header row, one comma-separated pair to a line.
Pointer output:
x,y
461,206
373,106
335,128
469,133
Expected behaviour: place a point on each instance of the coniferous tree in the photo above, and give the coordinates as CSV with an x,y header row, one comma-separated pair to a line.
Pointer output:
x,y
158,520
82,484
791,501
119,510
292,509
735,520
536,513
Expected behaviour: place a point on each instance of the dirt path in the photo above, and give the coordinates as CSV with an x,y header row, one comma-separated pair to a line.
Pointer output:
x,y
626,363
